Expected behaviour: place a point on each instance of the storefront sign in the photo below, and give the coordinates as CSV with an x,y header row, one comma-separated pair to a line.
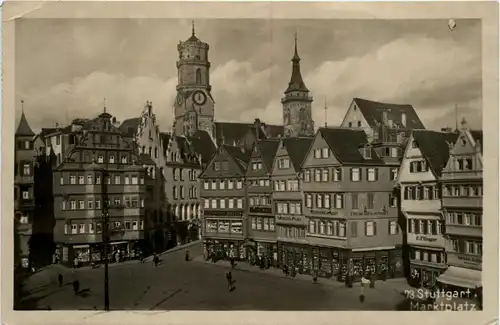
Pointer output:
x,y
289,219
328,212
219,213
260,210
466,261
426,240
369,213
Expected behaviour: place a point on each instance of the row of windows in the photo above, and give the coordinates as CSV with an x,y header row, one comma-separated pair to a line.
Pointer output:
x,y
114,179
92,228
336,200
291,232
335,174
427,256
260,182
256,165
178,174
193,192
150,151
291,185
128,202
462,164
289,207
321,153
283,163
24,144
419,166
27,169
224,226
421,192
463,190
263,224
221,203
464,246
207,185
218,164
255,201
424,227
465,219
327,227
25,194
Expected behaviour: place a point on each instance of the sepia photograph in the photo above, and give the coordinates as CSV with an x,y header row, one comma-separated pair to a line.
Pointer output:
x,y
249,164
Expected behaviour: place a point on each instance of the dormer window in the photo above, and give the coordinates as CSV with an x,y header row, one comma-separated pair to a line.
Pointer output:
x,y
414,144
463,141
367,153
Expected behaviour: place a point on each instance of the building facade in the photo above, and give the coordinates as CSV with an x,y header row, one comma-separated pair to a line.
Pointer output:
x,y
261,224
462,207
426,155
287,202
24,200
351,209
99,170
297,103
224,203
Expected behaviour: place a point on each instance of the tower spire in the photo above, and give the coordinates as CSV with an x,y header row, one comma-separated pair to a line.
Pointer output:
x,y
104,104
326,114
296,81
456,117
296,54
192,26
22,106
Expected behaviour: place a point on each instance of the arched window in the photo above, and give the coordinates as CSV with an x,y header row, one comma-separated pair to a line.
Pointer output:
x,y
198,76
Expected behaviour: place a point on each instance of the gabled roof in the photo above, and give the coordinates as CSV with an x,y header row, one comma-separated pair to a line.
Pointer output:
x,y
46,131
345,144
435,147
24,129
297,149
234,132
203,145
129,126
267,149
240,158
372,112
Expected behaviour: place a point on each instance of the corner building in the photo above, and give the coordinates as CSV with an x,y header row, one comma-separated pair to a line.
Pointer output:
x,y
462,187
99,168
224,203
426,155
261,224
352,214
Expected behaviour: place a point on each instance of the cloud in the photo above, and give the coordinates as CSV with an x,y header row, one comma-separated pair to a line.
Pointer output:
x,y
430,74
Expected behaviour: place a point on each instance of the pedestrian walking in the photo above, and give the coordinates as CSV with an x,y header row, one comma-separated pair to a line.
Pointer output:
x,y
229,278
187,255
76,286
156,260
315,277
60,279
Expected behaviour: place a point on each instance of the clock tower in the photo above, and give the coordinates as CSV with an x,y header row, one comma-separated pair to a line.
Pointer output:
x,y
194,105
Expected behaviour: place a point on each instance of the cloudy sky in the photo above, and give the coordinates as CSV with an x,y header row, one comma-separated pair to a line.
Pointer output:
x,y
66,67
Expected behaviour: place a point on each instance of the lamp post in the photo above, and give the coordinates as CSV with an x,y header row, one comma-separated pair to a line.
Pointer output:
x,y
105,234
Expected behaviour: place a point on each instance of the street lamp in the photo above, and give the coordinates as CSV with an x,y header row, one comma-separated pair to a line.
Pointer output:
x,y
105,234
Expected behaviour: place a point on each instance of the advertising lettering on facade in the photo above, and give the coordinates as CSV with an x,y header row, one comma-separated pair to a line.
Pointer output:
x,y
426,240
289,219
260,210
369,213
217,213
465,261
327,212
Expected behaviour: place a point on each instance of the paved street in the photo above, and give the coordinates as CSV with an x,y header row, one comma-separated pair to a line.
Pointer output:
x,y
197,285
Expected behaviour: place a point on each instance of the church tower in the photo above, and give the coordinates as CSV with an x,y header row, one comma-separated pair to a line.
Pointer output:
x,y
297,114
194,105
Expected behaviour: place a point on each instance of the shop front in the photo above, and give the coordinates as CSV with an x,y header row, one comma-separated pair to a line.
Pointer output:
x,y
257,249
464,272
427,260
223,248
295,256
380,264
330,262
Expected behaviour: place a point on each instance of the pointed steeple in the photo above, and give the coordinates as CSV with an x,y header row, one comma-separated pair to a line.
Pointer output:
x,y
296,81
193,37
24,129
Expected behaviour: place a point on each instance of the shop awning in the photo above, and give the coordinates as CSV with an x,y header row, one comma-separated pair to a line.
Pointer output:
x,y
461,277
118,242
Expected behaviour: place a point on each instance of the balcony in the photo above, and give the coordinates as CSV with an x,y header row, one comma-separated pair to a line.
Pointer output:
x,y
462,174
462,230
462,202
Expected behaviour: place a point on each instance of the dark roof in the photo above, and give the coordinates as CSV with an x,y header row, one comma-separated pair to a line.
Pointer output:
x,y
146,159
477,135
297,149
129,126
267,149
24,129
105,115
372,111
203,145
273,131
234,132
296,82
239,156
435,147
165,137
45,131
345,144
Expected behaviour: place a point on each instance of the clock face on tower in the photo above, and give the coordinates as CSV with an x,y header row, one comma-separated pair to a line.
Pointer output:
x,y
199,97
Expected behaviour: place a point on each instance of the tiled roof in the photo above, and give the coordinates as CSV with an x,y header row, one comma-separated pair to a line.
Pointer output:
x,y
267,149
297,149
435,147
24,129
241,158
129,126
345,144
232,132
273,131
477,135
45,131
203,145
372,111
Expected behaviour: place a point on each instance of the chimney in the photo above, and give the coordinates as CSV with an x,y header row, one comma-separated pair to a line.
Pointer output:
x,y
403,119
257,125
478,146
221,137
384,118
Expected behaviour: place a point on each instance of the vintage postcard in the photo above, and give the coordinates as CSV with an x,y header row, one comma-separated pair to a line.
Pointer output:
x,y
257,162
